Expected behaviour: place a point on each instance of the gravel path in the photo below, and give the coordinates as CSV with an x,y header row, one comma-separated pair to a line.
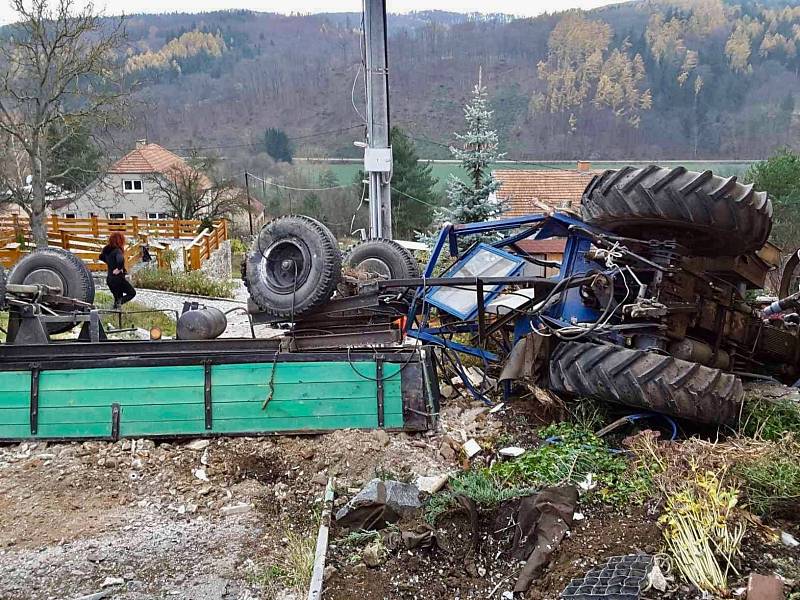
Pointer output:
x,y
238,322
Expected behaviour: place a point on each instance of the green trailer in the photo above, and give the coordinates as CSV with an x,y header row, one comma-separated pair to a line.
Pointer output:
x,y
170,388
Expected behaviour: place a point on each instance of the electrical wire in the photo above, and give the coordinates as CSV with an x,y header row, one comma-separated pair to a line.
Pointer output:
x,y
298,189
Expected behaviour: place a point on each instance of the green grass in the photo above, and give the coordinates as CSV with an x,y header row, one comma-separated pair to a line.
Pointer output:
x,y
771,481
569,459
141,320
769,419
575,454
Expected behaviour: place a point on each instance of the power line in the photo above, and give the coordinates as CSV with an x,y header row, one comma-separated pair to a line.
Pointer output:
x,y
256,144
298,189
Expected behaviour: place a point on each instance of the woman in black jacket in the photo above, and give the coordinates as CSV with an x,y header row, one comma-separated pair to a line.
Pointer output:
x,y
113,255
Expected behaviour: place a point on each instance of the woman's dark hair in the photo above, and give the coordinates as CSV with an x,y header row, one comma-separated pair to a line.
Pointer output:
x,y
117,239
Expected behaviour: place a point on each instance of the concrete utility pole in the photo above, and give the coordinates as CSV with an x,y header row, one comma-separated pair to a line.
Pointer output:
x,y
378,154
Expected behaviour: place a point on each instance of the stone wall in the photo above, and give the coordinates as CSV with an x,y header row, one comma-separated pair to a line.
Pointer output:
x,y
218,266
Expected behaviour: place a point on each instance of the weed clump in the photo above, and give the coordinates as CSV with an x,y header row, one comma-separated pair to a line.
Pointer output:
x,y
770,419
194,283
771,479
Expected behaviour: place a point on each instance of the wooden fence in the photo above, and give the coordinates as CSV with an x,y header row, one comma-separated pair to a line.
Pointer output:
x,y
79,237
101,228
202,246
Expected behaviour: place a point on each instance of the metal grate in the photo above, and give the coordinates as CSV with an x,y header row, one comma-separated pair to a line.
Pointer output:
x,y
620,578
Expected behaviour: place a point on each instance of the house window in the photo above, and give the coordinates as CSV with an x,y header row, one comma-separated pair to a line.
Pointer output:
x,y
70,216
132,186
116,215
157,215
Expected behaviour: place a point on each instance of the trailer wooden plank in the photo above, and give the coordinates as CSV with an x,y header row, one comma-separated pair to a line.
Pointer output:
x,y
145,428
289,392
297,408
293,372
74,430
120,378
17,398
123,396
14,416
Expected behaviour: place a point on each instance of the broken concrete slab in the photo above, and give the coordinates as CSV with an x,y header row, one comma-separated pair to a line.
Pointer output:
x,y
471,448
378,503
512,452
764,587
430,484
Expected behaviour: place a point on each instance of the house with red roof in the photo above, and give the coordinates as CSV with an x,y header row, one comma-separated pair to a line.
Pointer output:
x,y
530,191
130,186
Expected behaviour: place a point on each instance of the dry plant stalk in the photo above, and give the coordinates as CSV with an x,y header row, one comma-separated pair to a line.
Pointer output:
x,y
702,528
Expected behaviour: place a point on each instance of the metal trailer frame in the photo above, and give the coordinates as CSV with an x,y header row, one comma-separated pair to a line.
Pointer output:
x,y
164,389
579,238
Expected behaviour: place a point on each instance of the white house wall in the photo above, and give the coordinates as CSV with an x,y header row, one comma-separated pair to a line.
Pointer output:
x,y
107,196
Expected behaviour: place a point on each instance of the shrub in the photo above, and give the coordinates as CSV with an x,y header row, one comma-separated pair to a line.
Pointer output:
x,y
238,246
192,283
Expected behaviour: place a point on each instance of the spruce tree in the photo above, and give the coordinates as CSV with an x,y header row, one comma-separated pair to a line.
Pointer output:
x,y
413,188
474,201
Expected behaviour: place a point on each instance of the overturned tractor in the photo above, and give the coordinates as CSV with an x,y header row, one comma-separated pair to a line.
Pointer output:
x,y
647,308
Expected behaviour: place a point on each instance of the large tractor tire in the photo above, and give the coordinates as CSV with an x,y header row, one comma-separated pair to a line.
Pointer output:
x,y
60,269
708,215
385,258
294,266
646,380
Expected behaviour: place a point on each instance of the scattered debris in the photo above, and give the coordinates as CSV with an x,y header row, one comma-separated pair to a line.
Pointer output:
x,y
111,581
619,578
789,540
512,452
379,503
764,587
542,522
236,509
431,484
198,445
471,448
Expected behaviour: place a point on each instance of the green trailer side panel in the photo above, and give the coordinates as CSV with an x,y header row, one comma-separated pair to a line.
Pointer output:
x,y
170,400
15,403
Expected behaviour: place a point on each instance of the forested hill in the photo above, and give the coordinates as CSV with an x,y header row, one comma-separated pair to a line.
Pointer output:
x,y
647,79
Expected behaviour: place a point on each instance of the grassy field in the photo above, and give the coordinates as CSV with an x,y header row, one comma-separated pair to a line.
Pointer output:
x,y
346,172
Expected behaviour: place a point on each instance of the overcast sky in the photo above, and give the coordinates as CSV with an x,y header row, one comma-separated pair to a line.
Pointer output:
x,y
515,7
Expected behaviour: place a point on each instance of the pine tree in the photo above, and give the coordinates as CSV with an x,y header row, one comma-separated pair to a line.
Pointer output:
x,y
413,193
277,145
474,201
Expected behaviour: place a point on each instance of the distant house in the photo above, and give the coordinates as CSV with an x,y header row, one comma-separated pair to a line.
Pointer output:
x,y
526,192
130,187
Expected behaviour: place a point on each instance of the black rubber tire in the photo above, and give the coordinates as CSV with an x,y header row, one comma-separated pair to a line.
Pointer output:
x,y
646,380
303,244
61,268
708,215
386,258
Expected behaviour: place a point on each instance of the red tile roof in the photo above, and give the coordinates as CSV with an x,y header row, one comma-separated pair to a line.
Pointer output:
x,y
149,158
528,192
546,246
152,159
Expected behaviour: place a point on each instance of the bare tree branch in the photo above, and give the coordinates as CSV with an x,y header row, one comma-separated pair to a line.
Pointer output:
x,y
60,67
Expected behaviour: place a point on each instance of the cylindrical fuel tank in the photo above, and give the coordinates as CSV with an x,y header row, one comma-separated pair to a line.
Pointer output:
x,y
204,323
